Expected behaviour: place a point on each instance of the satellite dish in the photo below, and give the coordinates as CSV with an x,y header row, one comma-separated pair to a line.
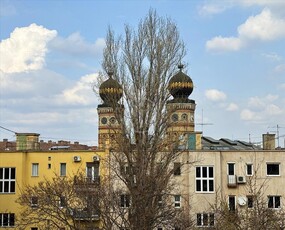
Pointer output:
x,y
242,200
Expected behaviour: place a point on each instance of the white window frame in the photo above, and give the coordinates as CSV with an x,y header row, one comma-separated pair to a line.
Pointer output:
x,y
9,180
35,169
247,165
235,204
228,168
250,197
274,202
62,169
203,216
273,163
177,201
10,215
200,179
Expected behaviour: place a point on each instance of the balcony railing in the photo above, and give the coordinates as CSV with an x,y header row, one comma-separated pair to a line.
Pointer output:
x,y
85,214
232,180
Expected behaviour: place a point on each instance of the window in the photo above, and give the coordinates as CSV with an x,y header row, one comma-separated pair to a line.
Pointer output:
x,y
7,219
160,200
177,201
249,170
232,203
231,168
62,202
125,201
177,169
7,180
205,219
34,201
205,179
159,228
35,169
34,228
92,171
273,169
274,201
62,169
250,201
49,166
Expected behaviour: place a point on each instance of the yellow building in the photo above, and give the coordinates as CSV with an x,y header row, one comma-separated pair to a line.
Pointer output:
x,y
29,166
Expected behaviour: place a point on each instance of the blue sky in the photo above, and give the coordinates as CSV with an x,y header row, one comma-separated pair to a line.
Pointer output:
x,y
50,54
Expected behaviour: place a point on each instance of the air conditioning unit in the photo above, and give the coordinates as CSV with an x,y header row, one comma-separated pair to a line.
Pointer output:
x,y
76,158
96,158
241,179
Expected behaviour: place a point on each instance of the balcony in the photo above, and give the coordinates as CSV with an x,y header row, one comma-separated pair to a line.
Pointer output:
x,y
87,183
85,214
232,181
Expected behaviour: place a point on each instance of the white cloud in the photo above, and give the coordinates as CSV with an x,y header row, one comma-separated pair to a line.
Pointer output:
x,y
248,115
224,44
262,109
75,44
264,27
215,95
25,49
81,93
210,9
232,107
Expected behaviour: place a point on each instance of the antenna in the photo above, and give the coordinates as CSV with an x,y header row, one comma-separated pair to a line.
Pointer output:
x,y
202,123
277,133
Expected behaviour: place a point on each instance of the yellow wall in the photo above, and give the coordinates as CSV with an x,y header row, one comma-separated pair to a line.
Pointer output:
x,y
23,160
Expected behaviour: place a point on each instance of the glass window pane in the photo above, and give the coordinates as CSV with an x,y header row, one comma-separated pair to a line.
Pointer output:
x,y
198,172
270,202
199,219
205,186
12,219
231,169
212,219
5,219
277,201
205,219
13,173
211,172
6,173
12,188
249,169
272,169
205,172
1,173
1,186
211,185
198,185
63,169
6,186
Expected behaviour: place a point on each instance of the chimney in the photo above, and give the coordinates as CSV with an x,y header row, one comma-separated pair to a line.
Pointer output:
x,y
268,141
27,141
5,140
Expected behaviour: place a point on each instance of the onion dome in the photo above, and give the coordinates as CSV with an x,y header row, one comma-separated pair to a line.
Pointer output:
x,y
180,85
110,90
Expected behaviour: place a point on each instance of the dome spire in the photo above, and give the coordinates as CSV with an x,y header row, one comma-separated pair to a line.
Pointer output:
x,y
180,86
110,90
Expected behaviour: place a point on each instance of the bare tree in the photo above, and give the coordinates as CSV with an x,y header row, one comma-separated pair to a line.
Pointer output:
x,y
143,61
69,202
255,212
